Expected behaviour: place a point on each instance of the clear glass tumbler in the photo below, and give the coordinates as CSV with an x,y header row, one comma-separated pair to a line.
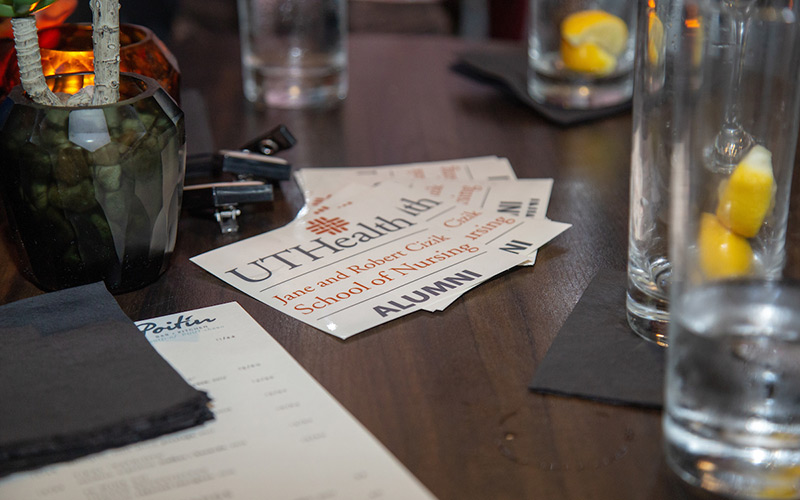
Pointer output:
x,y
732,397
654,137
580,52
294,52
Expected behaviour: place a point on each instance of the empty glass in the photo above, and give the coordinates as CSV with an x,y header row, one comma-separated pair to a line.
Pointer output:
x,y
294,52
654,138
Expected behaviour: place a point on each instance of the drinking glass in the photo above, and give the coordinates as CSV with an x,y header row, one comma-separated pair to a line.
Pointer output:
x,y
732,395
654,137
294,52
580,52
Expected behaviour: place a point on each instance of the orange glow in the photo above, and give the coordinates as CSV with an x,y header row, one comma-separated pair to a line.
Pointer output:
x,y
58,62
68,49
66,62
69,89
70,84
692,23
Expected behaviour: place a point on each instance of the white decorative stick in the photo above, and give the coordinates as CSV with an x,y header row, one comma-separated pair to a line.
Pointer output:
x,y
105,38
26,41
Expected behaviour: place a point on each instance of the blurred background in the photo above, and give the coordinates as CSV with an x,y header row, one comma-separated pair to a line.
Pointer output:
x,y
174,20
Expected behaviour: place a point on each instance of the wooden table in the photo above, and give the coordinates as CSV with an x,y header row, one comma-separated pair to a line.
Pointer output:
x,y
446,392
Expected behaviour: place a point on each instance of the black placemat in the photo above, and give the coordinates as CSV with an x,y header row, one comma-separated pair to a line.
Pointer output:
x,y
597,356
508,68
77,377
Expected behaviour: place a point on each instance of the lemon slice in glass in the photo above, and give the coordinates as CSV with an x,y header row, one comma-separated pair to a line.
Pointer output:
x,y
747,196
587,58
591,41
783,484
723,254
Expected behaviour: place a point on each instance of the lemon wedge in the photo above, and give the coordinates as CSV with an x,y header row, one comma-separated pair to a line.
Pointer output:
x,y
598,27
723,254
778,492
746,197
587,58
591,41
785,484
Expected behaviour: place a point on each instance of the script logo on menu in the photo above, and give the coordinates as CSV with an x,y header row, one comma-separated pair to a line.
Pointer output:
x,y
169,328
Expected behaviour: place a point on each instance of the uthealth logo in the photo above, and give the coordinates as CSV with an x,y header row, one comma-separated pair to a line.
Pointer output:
x,y
324,225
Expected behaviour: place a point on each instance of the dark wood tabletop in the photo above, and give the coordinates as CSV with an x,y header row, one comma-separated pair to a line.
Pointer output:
x,y
447,392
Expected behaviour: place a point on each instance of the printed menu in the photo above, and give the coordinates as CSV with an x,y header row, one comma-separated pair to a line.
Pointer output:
x,y
277,432
368,255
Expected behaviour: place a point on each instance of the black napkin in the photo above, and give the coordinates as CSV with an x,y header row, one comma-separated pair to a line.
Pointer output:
x,y
77,377
597,356
508,67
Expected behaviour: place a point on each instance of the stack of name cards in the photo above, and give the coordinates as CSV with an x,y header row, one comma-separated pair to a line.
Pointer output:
x,y
375,244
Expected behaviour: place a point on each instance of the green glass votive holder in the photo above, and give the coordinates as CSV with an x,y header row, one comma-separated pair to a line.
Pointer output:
x,y
93,193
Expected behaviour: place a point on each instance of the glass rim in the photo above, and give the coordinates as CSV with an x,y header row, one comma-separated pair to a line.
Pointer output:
x,y
142,35
150,86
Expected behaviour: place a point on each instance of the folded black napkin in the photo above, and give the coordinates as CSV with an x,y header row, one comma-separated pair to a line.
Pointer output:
x,y
77,377
597,356
508,67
